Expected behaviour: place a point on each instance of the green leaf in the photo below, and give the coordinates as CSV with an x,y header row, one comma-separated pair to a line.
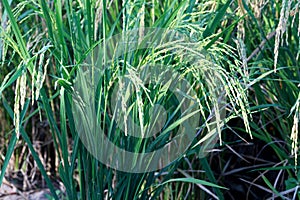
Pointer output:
x,y
6,83
193,180
212,26
271,187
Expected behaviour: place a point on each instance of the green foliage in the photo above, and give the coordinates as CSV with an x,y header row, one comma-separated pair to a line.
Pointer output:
x,y
254,46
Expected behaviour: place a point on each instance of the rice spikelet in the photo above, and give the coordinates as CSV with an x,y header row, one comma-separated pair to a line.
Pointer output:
x,y
121,95
32,85
295,129
98,17
40,76
281,28
23,90
294,14
17,108
142,22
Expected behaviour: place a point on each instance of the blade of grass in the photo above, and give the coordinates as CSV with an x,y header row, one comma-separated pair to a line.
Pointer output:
x,y
271,187
211,177
11,146
212,26
193,180
17,31
11,80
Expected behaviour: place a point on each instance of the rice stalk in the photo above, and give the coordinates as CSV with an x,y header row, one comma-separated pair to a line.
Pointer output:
x,y
98,17
23,83
33,75
241,45
281,28
17,107
142,21
122,95
241,7
294,14
153,11
294,132
39,79
257,6
20,96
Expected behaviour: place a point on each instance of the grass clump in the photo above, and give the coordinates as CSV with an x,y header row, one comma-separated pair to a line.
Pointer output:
x,y
245,52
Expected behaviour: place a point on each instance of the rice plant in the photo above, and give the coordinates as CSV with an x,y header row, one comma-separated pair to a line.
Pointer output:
x,y
199,82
